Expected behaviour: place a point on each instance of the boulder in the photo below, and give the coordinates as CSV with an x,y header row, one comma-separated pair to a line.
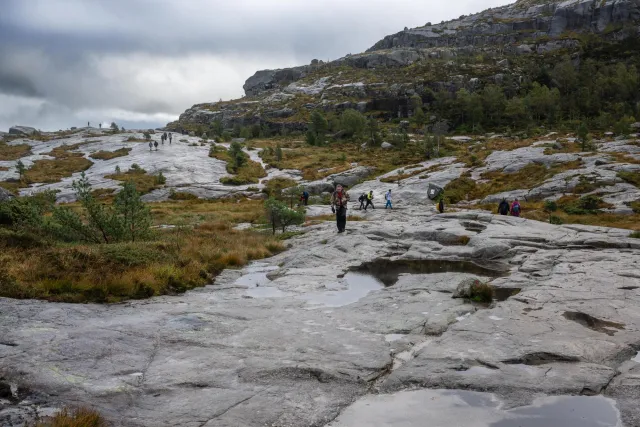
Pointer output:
x,y
386,145
5,195
22,130
351,177
523,49
503,63
319,187
463,290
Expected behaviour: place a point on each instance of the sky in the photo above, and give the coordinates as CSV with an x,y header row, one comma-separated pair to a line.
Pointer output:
x,y
141,63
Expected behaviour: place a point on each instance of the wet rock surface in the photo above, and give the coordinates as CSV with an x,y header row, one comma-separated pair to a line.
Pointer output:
x,y
295,340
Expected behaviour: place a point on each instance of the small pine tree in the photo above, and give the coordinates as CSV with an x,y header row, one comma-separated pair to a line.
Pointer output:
x,y
278,153
583,136
118,171
21,169
311,137
238,157
114,127
161,179
135,215
147,136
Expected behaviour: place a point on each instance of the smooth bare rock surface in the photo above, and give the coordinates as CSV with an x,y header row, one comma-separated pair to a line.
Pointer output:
x,y
185,163
294,340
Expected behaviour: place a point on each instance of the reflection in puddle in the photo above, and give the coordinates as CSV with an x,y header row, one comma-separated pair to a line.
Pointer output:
x,y
265,292
358,286
388,271
566,411
256,281
447,408
393,337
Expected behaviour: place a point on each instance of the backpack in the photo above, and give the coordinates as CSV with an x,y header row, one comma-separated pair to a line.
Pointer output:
x,y
370,196
515,209
305,195
361,198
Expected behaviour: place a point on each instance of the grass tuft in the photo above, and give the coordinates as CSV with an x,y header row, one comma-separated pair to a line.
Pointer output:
x,y
108,155
81,417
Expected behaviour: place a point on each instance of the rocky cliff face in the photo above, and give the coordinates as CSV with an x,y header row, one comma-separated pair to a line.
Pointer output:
x,y
520,22
419,60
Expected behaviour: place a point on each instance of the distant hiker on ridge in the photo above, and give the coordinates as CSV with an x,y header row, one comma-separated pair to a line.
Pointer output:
x,y
515,208
170,138
150,145
503,207
369,201
305,198
155,143
362,199
339,202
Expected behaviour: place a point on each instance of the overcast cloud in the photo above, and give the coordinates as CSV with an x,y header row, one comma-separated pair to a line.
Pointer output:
x,y
143,62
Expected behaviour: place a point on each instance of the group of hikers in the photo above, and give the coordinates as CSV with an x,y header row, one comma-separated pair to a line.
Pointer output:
x,y
340,199
505,209
163,138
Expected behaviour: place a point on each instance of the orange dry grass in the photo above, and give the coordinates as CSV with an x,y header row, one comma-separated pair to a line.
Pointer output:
x,y
173,261
78,418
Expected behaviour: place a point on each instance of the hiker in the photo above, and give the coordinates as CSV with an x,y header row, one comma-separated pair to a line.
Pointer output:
x,y
441,205
339,201
170,138
503,207
162,139
515,208
387,197
362,199
305,197
88,124
369,201
100,125
150,145
155,143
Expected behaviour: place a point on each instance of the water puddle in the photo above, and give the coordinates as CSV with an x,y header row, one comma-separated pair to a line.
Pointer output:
x,y
388,271
256,281
637,358
593,323
446,408
358,286
393,337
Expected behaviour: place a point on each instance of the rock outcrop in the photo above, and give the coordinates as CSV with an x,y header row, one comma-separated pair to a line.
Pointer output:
x,y
5,195
22,130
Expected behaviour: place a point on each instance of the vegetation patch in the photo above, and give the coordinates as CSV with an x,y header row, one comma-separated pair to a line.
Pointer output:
x,y
244,170
532,175
14,152
144,182
481,292
67,162
81,417
108,155
96,252
181,195
630,177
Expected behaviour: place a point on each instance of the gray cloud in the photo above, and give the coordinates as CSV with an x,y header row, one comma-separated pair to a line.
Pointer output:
x,y
155,58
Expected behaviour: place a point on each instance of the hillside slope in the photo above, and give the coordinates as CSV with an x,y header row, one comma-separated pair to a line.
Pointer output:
x,y
541,62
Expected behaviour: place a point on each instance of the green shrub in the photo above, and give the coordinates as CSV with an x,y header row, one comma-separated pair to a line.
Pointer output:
x,y
280,215
481,292
556,220
635,235
550,206
630,177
